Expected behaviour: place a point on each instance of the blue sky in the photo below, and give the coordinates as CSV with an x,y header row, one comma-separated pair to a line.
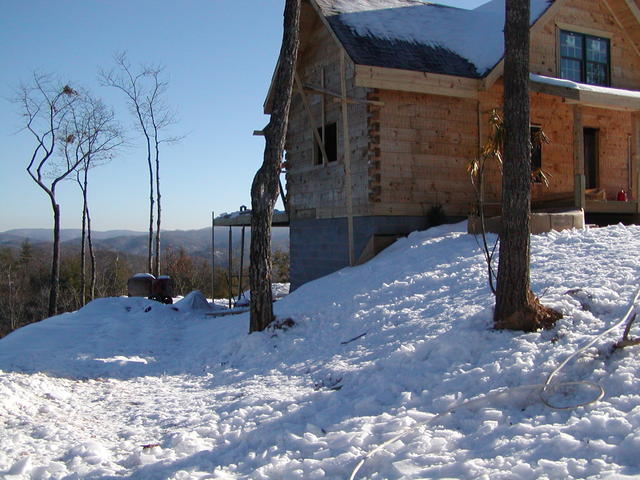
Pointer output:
x,y
219,56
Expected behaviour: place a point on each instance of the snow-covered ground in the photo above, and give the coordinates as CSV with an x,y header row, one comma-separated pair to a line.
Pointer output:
x,y
130,388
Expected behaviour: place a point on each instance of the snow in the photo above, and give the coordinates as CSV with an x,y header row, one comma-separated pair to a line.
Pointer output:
x,y
242,212
476,35
132,388
144,275
559,82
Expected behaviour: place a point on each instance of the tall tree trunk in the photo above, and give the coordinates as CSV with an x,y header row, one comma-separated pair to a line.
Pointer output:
x,y
156,261
83,241
517,307
55,260
264,190
151,208
92,256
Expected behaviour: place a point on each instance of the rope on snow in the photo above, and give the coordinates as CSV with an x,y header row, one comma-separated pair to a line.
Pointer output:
x,y
543,391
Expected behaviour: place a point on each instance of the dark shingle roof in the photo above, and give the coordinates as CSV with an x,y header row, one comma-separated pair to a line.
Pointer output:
x,y
425,37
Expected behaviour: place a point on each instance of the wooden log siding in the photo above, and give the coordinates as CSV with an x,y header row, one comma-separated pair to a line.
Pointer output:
x,y
556,118
613,148
318,191
410,150
601,18
419,152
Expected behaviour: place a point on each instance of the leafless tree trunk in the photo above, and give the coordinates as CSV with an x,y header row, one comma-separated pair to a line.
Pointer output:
x,y
96,138
47,108
83,183
264,190
92,257
156,144
145,90
517,308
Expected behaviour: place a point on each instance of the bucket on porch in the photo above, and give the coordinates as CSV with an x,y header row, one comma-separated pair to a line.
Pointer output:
x,y
622,196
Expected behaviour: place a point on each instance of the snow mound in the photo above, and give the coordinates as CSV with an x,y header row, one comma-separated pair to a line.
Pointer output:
x,y
193,301
131,388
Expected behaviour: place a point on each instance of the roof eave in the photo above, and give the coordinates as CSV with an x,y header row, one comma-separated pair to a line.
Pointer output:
x,y
496,72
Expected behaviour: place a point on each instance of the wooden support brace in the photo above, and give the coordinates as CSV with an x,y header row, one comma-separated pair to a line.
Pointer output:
x,y
578,158
337,97
305,102
347,156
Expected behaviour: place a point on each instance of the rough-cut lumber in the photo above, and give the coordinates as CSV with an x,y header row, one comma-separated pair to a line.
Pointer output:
x,y
347,154
419,82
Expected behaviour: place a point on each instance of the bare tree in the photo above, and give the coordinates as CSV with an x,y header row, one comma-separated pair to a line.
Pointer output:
x,y
97,136
517,308
47,107
145,89
265,187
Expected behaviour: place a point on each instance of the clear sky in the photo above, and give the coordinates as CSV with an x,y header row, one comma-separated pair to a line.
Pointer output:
x,y
219,56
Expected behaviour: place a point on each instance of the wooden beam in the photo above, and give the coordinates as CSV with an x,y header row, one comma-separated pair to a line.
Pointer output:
x,y
588,98
635,156
346,144
258,133
578,158
626,34
314,128
497,71
555,90
417,82
308,88
599,206
635,10
608,101
493,76
323,113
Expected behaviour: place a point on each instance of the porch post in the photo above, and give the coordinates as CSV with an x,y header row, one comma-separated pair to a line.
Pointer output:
x,y
578,159
635,159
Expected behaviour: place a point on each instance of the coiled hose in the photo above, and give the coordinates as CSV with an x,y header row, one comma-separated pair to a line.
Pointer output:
x,y
543,390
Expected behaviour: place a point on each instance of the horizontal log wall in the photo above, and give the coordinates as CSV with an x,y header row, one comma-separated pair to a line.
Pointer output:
x,y
318,191
421,145
556,119
614,134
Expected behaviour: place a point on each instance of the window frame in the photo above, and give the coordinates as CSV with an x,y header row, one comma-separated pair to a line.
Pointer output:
x,y
332,150
583,59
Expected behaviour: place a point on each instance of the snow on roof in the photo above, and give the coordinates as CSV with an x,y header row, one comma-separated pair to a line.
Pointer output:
x,y
559,82
415,35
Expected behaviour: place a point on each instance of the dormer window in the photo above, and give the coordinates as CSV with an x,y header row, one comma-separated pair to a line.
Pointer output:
x,y
584,58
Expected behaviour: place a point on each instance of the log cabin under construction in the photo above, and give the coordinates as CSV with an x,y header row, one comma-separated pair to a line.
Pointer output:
x,y
391,103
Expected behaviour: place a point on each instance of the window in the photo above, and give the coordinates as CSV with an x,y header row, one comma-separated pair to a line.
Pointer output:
x,y
330,144
584,58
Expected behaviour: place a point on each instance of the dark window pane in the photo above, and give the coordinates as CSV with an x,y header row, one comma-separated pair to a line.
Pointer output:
x,y
596,73
570,45
584,58
597,50
571,69
330,144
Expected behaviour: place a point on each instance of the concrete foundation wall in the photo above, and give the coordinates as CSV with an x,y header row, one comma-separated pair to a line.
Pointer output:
x,y
319,247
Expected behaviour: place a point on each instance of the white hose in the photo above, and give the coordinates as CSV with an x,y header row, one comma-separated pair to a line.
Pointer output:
x,y
543,388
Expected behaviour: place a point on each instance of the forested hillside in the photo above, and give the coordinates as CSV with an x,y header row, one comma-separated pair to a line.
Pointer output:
x,y
186,257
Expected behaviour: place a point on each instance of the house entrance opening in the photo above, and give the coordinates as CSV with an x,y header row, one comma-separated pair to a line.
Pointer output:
x,y
591,157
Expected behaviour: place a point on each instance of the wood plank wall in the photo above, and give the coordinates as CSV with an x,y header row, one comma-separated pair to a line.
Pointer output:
x,y
419,153
318,191
588,16
412,152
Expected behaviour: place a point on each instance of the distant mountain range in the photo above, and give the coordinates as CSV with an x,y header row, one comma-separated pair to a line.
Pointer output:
x,y
194,242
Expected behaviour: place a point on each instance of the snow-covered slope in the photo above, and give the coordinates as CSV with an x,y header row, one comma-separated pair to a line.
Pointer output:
x,y
129,388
